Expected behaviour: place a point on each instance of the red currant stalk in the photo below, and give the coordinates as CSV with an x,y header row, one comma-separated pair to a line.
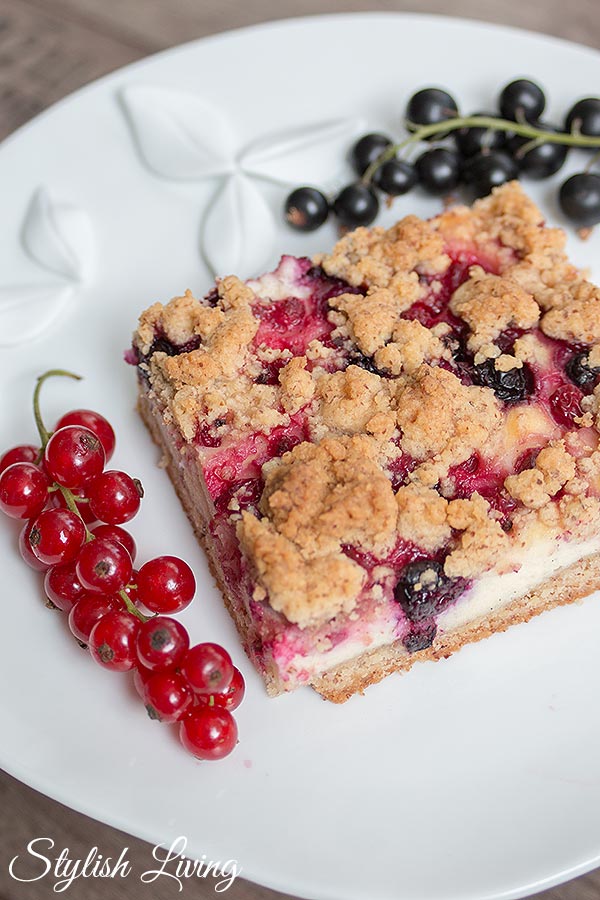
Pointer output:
x,y
45,435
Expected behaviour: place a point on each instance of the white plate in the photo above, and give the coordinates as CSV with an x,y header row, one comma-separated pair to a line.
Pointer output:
x,y
478,777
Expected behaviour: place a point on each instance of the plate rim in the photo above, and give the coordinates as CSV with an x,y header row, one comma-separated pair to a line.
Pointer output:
x,y
36,781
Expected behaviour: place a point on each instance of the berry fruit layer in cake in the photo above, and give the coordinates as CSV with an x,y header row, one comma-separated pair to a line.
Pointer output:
x,y
392,450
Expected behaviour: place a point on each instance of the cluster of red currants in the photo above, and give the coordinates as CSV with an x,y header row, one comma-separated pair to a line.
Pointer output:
x,y
75,508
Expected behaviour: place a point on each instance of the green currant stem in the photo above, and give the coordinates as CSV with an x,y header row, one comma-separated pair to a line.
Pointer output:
x,y
72,505
45,437
42,430
490,123
131,607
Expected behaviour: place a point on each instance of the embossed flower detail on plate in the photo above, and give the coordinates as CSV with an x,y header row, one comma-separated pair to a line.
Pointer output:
x,y
58,238
181,137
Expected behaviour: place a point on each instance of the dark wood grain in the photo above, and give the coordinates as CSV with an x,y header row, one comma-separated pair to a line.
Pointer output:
x,y
48,48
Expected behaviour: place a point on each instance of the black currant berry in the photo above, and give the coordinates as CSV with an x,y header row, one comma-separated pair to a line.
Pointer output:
x,y
471,141
485,171
540,161
420,637
584,117
356,205
162,345
579,199
439,170
581,373
364,362
522,99
430,106
395,177
424,590
366,150
511,387
306,209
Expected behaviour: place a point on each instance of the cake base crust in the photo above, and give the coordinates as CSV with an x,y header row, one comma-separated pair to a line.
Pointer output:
x,y
567,586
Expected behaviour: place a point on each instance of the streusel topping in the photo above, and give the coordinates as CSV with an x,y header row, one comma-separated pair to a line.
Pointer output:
x,y
490,304
432,385
318,498
443,421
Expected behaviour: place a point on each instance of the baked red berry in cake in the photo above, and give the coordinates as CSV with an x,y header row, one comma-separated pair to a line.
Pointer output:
x,y
390,451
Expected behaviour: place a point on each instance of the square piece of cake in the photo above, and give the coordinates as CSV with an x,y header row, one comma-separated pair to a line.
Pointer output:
x,y
392,450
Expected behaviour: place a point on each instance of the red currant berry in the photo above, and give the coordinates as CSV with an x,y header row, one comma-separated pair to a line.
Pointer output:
x,y
96,423
209,732
22,453
115,497
23,490
167,696
140,676
166,584
56,536
82,508
112,641
208,668
73,456
89,610
27,553
114,533
162,642
565,405
103,566
231,697
63,587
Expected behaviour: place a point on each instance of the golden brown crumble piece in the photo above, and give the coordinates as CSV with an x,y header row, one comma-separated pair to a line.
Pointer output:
x,y
588,468
554,467
297,385
411,345
489,304
371,318
382,259
505,362
482,544
578,319
443,421
422,516
305,590
529,348
323,495
234,294
318,497
350,402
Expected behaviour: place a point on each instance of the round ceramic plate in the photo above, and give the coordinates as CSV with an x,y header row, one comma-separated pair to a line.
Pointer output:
x,y
477,777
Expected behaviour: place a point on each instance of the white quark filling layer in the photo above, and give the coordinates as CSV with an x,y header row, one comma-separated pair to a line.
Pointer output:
x,y
488,595
491,592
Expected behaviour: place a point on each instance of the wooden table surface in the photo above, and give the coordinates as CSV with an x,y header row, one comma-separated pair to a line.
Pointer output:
x,y
48,48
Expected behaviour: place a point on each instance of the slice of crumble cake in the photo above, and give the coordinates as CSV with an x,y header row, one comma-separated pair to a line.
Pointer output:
x,y
392,450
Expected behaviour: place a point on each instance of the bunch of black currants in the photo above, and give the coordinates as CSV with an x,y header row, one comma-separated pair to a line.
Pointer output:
x,y
476,153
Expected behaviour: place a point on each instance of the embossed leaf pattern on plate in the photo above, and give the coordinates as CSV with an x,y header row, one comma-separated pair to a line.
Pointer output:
x,y
28,310
181,137
309,154
177,134
238,231
58,238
